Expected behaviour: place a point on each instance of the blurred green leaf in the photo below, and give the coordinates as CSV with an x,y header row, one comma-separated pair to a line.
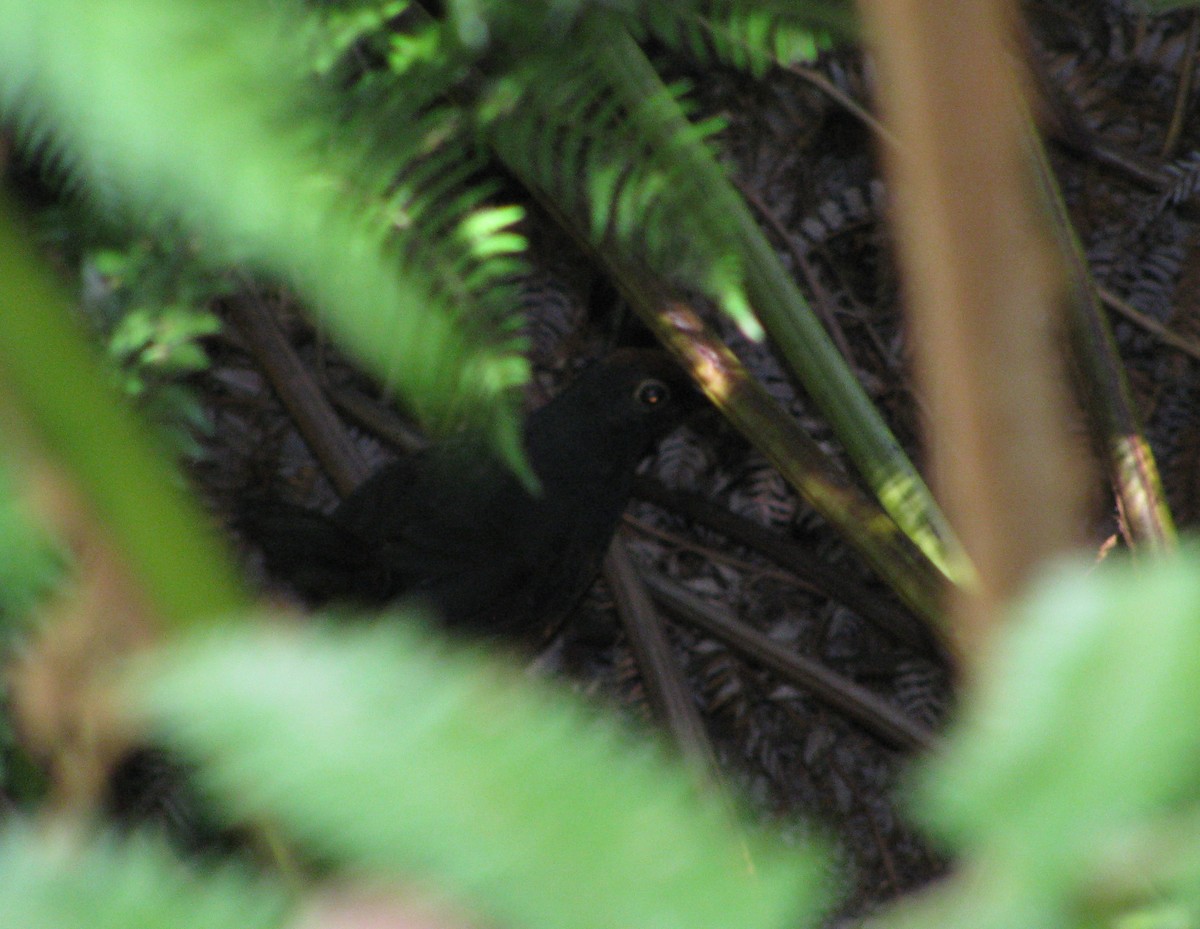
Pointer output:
x,y
163,338
350,23
207,116
132,334
50,373
30,562
59,880
1085,718
407,758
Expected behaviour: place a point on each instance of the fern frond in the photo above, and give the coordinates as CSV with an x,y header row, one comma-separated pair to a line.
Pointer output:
x,y
60,880
193,112
750,36
629,176
425,762
1184,176
432,202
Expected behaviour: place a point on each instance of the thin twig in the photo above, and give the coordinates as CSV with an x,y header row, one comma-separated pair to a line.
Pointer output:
x,y
1183,93
850,698
1189,347
376,418
757,571
825,579
667,690
827,87
300,394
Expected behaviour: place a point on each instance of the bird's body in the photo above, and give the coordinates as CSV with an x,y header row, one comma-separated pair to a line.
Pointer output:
x,y
454,527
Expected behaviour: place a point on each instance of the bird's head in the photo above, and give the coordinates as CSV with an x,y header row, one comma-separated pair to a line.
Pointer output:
x,y
619,407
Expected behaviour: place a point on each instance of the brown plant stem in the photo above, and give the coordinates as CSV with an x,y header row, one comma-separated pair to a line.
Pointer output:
x,y
985,290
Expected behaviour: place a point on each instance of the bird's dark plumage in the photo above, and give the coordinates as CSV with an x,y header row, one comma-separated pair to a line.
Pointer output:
x,y
454,527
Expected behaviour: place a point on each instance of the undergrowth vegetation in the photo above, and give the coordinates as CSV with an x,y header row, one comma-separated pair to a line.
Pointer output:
x,y
348,151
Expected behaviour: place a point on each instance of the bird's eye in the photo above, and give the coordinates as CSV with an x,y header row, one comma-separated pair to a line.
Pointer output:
x,y
651,394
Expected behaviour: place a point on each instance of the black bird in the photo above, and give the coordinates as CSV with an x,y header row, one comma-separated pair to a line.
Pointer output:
x,y
453,527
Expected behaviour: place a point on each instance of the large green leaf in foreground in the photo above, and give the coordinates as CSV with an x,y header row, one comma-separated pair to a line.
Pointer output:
x,y
62,881
1086,723
403,758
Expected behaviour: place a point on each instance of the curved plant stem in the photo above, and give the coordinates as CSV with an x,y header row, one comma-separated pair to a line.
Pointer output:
x,y
864,526
793,326
1131,463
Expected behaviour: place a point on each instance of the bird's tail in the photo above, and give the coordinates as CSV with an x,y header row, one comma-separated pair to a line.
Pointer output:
x,y
313,553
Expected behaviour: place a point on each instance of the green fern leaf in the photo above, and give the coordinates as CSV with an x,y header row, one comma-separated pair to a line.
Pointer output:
x,y
615,162
748,34
751,36
395,755
194,112
61,880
